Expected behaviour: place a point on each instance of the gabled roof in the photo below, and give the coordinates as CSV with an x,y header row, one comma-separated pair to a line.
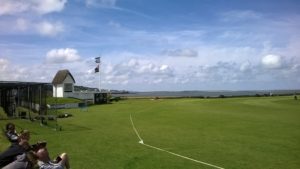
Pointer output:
x,y
60,76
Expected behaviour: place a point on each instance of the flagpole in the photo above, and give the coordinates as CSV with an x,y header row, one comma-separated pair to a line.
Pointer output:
x,y
97,70
99,74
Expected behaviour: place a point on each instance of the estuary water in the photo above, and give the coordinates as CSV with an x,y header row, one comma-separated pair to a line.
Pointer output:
x,y
207,93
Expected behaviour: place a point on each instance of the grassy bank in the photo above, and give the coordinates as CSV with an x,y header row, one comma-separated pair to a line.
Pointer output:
x,y
54,100
2,114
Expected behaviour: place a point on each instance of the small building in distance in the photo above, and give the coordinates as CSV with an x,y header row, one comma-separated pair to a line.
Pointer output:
x,y
63,83
63,86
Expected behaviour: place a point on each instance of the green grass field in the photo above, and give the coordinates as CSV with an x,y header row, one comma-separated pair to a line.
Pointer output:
x,y
233,133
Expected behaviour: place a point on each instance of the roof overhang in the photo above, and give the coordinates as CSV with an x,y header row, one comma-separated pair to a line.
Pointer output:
x,y
16,84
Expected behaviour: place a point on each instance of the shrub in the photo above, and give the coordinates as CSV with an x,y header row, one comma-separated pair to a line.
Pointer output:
x,y
116,99
222,96
25,113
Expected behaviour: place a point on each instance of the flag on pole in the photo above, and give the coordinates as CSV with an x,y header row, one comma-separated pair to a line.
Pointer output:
x,y
97,59
97,69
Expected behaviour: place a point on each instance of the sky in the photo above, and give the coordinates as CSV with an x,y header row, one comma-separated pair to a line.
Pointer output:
x,y
153,45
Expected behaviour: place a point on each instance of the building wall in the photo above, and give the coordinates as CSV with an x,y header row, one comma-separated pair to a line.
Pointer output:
x,y
80,95
59,90
69,80
64,106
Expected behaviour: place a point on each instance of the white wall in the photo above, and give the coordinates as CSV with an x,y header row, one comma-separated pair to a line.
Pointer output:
x,y
59,90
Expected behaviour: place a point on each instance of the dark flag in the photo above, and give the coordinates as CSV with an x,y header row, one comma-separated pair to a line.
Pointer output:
x,y
97,69
97,59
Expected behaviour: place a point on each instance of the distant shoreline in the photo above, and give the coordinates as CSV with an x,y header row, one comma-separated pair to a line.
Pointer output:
x,y
206,94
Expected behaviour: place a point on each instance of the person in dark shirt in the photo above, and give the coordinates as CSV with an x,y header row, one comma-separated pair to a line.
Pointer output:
x,y
10,154
26,160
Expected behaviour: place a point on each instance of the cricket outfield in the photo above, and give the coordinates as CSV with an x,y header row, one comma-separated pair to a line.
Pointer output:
x,y
231,133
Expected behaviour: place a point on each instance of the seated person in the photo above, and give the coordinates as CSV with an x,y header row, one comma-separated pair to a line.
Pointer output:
x,y
38,145
13,151
44,162
11,133
24,135
26,160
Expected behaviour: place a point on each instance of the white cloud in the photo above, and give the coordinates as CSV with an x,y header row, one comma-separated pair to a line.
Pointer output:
x,y
62,55
3,64
101,3
12,7
121,79
272,61
240,15
137,71
22,24
31,27
181,53
157,81
48,6
49,29
219,75
11,72
164,67
9,7
245,66
114,24
24,18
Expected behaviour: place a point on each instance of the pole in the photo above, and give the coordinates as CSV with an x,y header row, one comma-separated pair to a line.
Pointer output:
x,y
56,125
97,70
29,103
99,74
40,99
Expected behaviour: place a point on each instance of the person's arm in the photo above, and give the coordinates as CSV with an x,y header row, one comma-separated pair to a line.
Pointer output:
x,y
12,137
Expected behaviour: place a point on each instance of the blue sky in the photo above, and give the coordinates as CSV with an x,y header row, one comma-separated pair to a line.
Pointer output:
x,y
148,45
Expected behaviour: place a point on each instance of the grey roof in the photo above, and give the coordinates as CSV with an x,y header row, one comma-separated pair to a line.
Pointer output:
x,y
61,76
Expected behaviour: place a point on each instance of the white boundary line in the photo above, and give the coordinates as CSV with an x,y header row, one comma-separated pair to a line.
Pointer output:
x,y
160,149
136,132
